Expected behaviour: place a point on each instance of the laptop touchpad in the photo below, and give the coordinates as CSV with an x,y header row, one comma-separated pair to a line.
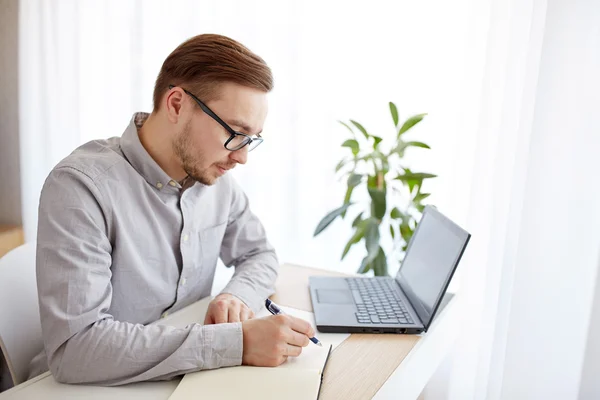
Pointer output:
x,y
328,296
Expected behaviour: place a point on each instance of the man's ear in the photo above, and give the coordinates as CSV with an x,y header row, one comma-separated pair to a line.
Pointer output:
x,y
174,104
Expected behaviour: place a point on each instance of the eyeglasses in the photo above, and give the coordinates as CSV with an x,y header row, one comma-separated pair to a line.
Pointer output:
x,y
236,140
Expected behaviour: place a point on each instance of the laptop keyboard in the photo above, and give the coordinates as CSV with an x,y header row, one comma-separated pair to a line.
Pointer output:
x,y
377,302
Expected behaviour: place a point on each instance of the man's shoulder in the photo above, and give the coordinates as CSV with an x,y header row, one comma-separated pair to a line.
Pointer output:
x,y
95,158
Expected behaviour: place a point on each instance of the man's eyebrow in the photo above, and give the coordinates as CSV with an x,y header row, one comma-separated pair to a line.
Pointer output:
x,y
242,125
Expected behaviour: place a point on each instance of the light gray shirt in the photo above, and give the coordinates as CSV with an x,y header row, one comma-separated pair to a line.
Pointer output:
x,y
120,244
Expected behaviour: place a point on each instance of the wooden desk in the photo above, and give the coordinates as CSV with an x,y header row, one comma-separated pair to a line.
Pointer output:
x,y
356,369
10,237
364,366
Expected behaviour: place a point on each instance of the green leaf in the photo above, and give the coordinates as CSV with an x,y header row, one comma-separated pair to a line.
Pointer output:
x,y
421,196
372,181
349,128
417,144
328,219
378,204
412,183
395,213
365,266
352,144
361,128
405,231
402,146
353,181
414,175
410,122
399,149
372,238
376,142
341,165
380,263
392,232
413,179
394,112
359,233
357,220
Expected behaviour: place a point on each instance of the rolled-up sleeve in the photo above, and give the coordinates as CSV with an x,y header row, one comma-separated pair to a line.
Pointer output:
x,y
246,247
82,340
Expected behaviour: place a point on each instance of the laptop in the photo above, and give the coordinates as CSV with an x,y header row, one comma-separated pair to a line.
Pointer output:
x,y
404,304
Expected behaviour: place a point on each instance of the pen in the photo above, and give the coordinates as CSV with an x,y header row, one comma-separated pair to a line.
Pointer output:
x,y
275,310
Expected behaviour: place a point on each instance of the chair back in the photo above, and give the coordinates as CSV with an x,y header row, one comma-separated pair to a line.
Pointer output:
x,y
20,326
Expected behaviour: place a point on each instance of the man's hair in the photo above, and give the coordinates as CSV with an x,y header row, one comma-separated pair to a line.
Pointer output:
x,y
203,62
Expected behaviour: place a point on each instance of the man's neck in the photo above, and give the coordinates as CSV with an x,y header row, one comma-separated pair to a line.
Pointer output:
x,y
157,141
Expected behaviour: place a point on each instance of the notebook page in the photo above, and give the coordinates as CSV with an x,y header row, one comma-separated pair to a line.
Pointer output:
x,y
249,383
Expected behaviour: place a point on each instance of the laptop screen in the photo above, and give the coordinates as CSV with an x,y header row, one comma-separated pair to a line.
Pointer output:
x,y
430,261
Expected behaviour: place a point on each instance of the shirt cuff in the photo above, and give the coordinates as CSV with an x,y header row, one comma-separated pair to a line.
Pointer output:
x,y
222,345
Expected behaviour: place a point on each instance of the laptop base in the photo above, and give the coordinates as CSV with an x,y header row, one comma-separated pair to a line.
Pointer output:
x,y
368,329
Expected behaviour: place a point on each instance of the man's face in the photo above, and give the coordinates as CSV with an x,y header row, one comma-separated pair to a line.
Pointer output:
x,y
200,143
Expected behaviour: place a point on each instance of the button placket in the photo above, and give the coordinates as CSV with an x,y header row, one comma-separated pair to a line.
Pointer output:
x,y
185,246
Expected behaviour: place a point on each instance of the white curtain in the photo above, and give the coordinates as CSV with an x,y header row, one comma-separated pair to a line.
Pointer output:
x,y
530,277
512,92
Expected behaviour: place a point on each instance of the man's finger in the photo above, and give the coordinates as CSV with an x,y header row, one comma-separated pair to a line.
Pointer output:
x,y
297,339
208,319
234,312
293,351
302,326
245,314
220,315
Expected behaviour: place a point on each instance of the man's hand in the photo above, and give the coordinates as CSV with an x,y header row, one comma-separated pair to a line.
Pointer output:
x,y
227,308
269,341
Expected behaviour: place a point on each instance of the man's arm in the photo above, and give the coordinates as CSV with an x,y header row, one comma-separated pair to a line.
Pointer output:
x,y
245,245
83,342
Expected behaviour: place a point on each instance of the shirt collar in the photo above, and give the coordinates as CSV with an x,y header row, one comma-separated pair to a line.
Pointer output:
x,y
139,158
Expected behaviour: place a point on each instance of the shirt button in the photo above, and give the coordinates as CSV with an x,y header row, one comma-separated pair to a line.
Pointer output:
x,y
172,183
183,281
186,237
159,185
165,314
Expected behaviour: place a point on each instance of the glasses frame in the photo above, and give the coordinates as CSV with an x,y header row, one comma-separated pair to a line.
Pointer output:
x,y
248,140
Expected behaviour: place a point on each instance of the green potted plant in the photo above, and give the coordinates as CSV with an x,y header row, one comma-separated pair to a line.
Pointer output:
x,y
395,198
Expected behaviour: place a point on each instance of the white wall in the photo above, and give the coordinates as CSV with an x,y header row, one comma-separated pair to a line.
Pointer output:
x,y
10,189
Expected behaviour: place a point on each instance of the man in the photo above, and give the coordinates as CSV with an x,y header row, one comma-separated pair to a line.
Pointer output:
x,y
130,229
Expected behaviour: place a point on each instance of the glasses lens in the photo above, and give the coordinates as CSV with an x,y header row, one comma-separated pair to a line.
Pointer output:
x,y
254,144
240,141
237,142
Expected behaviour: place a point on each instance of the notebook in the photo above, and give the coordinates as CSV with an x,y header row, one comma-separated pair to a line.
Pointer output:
x,y
298,378
291,381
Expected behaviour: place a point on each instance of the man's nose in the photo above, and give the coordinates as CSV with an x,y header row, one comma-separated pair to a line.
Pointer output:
x,y
240,156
